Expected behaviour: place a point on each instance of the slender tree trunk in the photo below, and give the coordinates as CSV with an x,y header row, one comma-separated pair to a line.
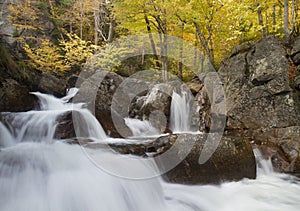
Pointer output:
x,y
96,22
81,18
152,42
196,51
267,24
211,45
261,21
180,65
293,15
274,17
286,19
111,31
202,39
165,57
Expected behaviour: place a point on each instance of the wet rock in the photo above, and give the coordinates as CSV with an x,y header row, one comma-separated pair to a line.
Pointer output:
x,y
65,127
74,81
297,82
15,97
195,85
154,105
257,88
232,160
97,92
281,145
295,52
79,141
51,85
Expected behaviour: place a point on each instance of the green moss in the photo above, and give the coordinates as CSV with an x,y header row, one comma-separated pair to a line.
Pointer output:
x,y
15,68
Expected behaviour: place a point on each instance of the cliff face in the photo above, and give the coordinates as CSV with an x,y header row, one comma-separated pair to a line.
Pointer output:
x,y
263,103
16,78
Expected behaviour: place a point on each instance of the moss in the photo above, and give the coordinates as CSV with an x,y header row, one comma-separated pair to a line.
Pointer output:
x,y
12,67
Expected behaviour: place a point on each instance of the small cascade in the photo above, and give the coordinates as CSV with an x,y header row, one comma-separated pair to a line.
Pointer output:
x,y
264,166
6,139
40,125
36,175
141,128
180,118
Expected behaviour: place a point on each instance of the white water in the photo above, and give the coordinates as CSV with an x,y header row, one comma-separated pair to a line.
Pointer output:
x,y
34,126
47,175
141,127
180,118
6,139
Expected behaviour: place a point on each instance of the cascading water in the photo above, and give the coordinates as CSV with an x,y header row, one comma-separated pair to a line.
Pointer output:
x,y
180,118
39,173
40,125
141,127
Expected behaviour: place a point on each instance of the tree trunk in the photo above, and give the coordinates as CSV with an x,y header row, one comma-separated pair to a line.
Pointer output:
x,y
274,17
96,21
196,51
293,16
180,65
202,39
261,21
111,30
286,20
81,18
152,42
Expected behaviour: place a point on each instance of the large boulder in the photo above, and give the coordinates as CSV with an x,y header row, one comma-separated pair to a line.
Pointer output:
x,y
15,97
295,52
232,160
257,87
281,145
177,156
50,84
154,105
261,104
97,91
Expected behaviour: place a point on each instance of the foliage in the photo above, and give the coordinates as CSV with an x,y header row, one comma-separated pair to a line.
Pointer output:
x,y
81,27
47,58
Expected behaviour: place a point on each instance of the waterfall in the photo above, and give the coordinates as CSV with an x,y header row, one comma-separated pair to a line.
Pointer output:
x,y
39,173
264,166
141,128
40,125
180,117
6,138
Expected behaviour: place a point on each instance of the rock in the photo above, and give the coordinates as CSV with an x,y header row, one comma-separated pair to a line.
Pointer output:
x,y
268,65
244,47
15,97
97,91
51,85
65,127
73,81
297,82
195,86
233,160
154,106
295,52
281,145
7,29
257,88
79,141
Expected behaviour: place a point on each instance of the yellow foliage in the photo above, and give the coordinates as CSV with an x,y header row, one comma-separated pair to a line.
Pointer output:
x,y
46,58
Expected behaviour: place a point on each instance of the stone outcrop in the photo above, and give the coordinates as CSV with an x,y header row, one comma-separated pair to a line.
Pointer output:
x,y
97,92
15,97
261,104
232,160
